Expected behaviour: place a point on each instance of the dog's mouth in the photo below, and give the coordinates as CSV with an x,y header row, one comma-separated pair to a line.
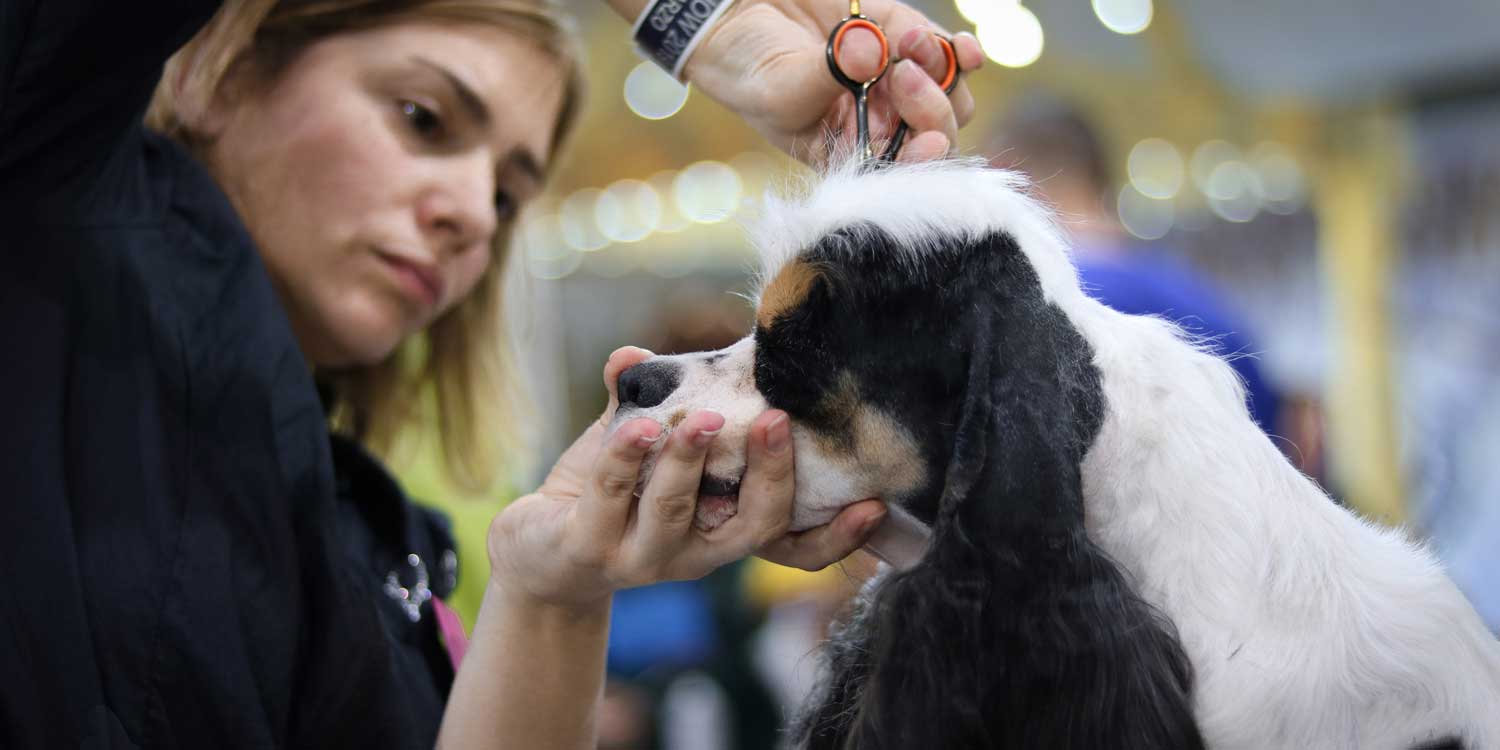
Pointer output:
x,y
718,501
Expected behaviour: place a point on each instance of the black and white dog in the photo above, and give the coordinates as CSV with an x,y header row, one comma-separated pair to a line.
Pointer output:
x,y
1094,546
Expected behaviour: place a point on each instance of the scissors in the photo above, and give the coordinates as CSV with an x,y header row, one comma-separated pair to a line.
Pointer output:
x,y
861,89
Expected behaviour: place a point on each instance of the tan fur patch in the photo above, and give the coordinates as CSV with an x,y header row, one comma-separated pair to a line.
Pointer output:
x,y
785,292
837,411
676,418
887,453
868,441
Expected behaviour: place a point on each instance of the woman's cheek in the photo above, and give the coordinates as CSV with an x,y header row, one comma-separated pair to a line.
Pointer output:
x,y
471,266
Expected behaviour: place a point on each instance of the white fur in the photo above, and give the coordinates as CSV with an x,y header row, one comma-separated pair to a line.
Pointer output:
x,y
825,483
1307,627
917,205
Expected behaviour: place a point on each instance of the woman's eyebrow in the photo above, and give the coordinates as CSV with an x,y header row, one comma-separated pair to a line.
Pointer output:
x,y
463,91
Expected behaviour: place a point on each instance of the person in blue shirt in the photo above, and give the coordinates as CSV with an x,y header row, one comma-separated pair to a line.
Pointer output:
x,y
1060,150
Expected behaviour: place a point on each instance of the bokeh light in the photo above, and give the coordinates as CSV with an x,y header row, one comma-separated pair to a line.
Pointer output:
x,y
1124,16
707,192
628,211
547,255
671,220
1234,191
977,11
1144,216
1207,158
580,229
1155,168
1011,35
653,94
1281,177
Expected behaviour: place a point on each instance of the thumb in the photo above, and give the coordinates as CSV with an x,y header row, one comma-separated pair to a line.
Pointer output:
x,y
860,54
619,361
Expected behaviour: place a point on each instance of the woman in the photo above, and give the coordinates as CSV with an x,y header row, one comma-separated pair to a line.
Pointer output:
x,y
188,561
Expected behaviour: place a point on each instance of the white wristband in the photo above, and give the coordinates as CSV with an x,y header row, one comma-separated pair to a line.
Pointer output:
x,y
668,31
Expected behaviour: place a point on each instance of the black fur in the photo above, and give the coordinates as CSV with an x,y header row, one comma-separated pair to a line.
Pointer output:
x,y
1015,631
1447,743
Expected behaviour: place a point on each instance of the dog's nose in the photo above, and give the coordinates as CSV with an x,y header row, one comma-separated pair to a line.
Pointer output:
x,y
649,383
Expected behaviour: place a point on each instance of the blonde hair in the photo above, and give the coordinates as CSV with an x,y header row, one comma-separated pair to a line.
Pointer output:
x,y
463,361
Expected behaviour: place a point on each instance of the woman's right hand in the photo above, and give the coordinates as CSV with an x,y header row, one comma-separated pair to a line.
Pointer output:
x,y
765,60
584,534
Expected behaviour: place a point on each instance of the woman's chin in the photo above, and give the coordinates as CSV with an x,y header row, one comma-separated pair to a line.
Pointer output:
x,y
356,344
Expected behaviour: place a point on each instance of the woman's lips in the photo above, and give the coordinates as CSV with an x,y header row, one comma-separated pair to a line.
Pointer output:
x,y
420,280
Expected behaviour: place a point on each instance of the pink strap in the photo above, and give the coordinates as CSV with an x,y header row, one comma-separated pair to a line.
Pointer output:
x,y
452,630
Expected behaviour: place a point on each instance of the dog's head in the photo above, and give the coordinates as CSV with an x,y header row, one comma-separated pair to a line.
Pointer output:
x,y
896,309
925,330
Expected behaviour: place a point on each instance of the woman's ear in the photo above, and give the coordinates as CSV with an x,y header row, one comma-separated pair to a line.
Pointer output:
x,y
198,81
209,107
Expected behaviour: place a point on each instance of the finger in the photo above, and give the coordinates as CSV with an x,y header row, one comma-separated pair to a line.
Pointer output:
x,y
970,54
768,488
897,18
859,54
670,500
920,103
963,104
970,57
911,35
920,45
766,494
619,361
820,547
605,512
924,147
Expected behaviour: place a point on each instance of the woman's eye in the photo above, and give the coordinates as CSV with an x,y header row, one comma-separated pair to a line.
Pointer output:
x,y
422,120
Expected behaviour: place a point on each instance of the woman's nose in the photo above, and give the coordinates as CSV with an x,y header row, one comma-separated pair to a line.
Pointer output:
x,y
649,383
459,204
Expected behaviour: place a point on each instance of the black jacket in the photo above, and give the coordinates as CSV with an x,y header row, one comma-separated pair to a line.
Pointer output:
x,y
185,559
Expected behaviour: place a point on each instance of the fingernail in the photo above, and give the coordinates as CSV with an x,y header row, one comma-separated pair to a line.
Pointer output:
x,y
704,437
778,434
646,440
871,522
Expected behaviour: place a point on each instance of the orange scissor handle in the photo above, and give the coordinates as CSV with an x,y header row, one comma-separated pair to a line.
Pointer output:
x,y
836,41
950,74
861,89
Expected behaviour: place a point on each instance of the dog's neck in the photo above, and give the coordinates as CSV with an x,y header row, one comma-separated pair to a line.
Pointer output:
x,y
901,540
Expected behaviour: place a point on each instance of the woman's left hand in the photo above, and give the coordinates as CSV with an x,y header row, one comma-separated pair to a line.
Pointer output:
x,y
584,534
766,60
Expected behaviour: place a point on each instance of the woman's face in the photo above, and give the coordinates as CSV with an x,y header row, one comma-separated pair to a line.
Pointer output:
x,y
373,174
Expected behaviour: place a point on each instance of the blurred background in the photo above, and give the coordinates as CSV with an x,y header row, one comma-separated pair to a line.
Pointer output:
x,y
1314,184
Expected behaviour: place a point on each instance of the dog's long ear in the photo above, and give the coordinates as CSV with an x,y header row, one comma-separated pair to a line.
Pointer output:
x,y
1016,630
